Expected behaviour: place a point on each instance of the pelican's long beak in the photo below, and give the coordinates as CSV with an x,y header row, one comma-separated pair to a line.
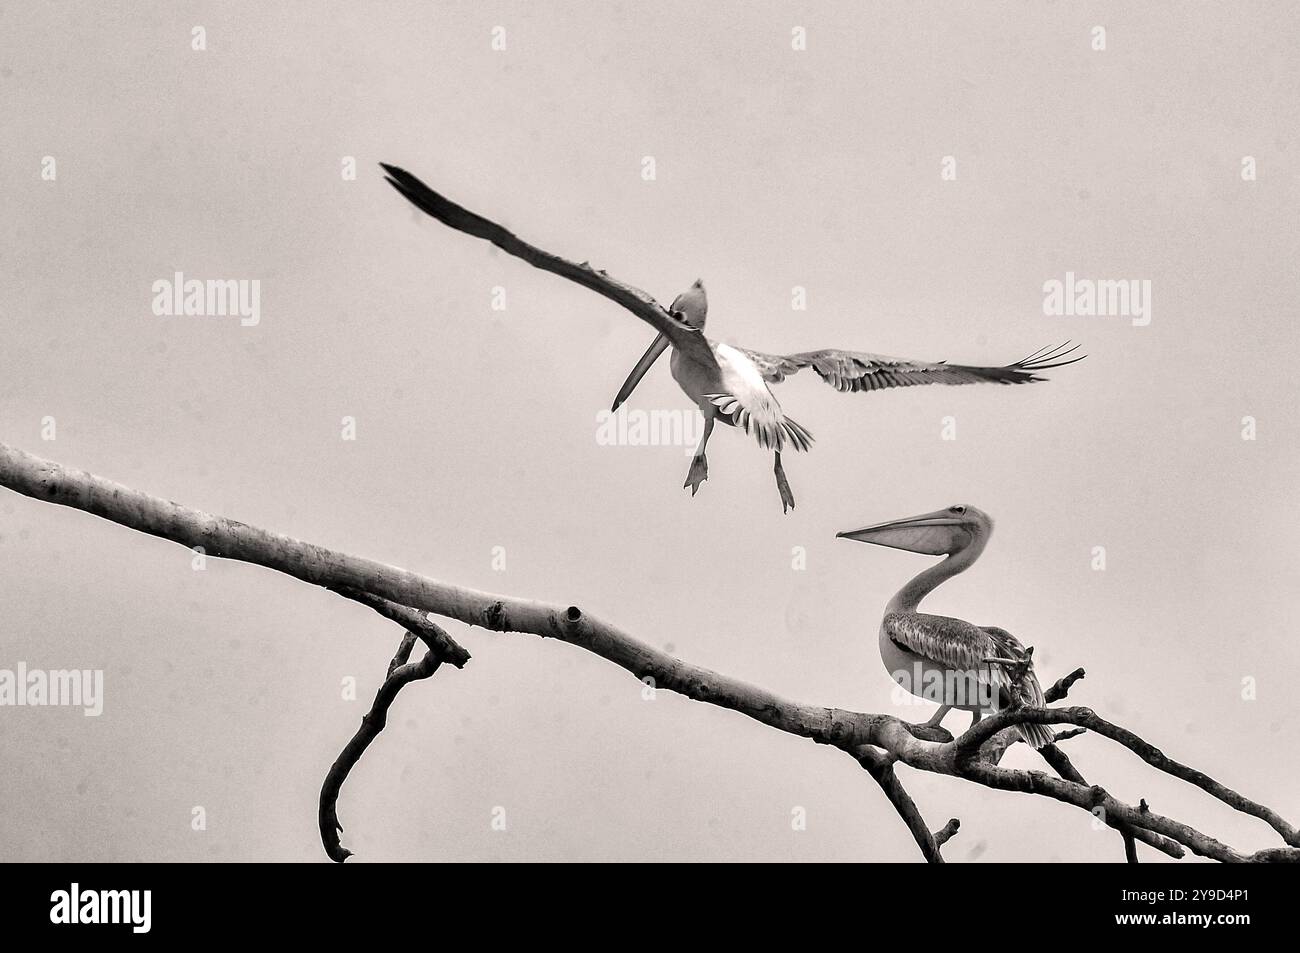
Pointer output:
x,y
648,358
934,534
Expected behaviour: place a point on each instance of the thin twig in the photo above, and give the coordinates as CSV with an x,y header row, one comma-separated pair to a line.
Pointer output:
x,y
1061,687
948,831
400,674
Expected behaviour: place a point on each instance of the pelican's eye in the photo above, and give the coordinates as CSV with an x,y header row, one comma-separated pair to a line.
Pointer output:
x,y
959,510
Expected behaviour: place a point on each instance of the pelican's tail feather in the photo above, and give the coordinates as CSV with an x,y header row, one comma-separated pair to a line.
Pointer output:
x,y
767,424
1035,735
1031,693
763,426
799,436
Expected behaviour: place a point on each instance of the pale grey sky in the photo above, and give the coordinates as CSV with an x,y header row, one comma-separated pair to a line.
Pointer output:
x,y
476,428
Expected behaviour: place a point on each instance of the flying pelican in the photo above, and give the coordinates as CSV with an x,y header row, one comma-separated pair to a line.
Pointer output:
x,y
726,383
973,668
734,387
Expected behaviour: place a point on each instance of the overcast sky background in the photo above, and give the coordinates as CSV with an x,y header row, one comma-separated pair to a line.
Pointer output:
x,y
476,428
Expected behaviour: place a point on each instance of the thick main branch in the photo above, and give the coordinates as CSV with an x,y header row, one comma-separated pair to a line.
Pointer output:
x,y
221,537
396,593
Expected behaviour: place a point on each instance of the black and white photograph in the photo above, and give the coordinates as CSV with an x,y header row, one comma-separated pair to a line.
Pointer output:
x,y
436,432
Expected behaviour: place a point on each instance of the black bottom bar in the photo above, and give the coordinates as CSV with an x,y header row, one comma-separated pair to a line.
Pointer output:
x,y
328,902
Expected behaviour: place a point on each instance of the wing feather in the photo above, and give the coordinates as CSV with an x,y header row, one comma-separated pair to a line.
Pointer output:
x,y
853,371
951,642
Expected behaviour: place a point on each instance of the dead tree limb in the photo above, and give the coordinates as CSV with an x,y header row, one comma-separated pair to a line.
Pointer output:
x,y
1086,718
401,673
1061,764
948,831
416,623
847,730
881,767
1061,687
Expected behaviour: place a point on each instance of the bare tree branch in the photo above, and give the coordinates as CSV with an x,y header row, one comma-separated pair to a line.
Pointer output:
x,y
439,642
1130,845
1061,764
1069,733
1055,757
847,730
949,831
1061,687
881,767
400,674
1086,718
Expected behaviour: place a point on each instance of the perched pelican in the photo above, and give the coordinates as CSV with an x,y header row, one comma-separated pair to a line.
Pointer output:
x,y
726,383
944,660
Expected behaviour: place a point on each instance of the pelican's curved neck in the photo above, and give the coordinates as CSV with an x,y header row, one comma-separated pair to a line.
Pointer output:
x,y
908,599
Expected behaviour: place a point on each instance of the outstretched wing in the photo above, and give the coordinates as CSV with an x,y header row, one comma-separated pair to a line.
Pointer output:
x,y
853,371
685,338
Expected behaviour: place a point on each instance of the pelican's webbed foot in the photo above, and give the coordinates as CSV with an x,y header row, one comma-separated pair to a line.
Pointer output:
x,y
932,730
928,732
698,473
787,498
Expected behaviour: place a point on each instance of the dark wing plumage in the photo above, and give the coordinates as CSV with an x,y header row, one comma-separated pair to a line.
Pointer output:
x,y
953,643
852,371
687,339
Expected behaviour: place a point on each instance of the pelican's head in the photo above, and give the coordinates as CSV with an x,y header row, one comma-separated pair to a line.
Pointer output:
x,y
693,304
941,533
690,307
